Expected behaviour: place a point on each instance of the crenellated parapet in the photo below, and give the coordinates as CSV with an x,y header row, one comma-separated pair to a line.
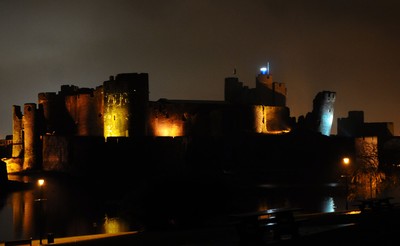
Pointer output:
x,y
267,92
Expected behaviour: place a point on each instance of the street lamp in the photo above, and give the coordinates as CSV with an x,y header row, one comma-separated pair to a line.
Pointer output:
x,y
40,200
346,163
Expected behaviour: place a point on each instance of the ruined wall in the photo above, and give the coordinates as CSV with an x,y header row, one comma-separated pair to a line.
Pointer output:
x,y
18,144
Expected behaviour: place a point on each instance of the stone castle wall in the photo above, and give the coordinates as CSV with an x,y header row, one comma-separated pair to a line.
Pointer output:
x,y
120,108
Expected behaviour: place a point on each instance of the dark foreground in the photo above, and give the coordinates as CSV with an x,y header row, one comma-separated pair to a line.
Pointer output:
x,y
372,228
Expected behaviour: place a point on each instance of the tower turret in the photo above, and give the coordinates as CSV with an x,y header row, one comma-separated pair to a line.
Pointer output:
x,y
323,110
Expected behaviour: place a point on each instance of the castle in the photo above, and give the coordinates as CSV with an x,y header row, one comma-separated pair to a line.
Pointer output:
x,y
63,129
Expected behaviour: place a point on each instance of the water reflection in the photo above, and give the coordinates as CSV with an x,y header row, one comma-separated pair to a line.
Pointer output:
x,y
328,205
68,208
73,207
114,225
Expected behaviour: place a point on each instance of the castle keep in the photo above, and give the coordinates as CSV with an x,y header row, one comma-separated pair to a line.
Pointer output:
x,y
63,129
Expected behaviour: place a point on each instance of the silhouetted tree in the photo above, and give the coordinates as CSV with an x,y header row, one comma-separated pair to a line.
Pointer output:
x,y
368,179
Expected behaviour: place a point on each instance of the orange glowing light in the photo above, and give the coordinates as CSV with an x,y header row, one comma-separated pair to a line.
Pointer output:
x,y
168,129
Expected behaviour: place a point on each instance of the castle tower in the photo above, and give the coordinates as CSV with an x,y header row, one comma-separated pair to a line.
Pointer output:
x,y
264,89
125,105
323,109
83,108
18,144
233,90
268,92
60,111
49,103
31,137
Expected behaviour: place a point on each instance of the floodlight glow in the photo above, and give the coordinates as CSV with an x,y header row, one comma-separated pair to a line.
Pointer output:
x,y
263,70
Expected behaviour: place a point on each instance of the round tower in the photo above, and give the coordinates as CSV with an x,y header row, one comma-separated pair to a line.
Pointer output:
x,y
31,138
323,110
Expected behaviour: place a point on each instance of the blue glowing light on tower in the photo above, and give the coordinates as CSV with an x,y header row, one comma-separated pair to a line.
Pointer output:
x,y
265,70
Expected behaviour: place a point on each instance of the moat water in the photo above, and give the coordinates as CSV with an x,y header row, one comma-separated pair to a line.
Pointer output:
x,y
70,207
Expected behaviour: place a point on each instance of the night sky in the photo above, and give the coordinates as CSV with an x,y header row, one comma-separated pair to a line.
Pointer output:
x,y
188,47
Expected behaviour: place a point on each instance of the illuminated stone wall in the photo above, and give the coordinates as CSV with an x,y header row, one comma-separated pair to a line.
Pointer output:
x,y
125,105
269,119
185,118
167,120
191,118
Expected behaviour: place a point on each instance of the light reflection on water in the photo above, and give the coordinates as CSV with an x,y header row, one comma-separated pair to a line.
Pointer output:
x,y
68,209
71,209
114,225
